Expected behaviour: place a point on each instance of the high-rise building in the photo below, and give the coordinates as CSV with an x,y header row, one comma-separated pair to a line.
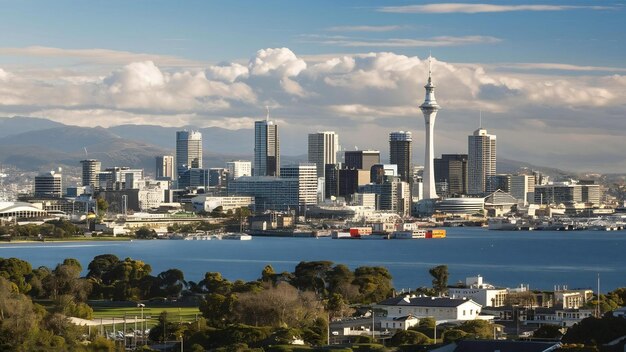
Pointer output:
x,y
49,184
91,169
306,173
188,150
165,167
523,188
451,170
266,148
400,153
194,178
323,147
239,168
429,110
361,159
481,160
380,172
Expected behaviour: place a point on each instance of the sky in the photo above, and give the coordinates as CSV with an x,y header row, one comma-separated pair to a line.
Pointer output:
x,y
548,76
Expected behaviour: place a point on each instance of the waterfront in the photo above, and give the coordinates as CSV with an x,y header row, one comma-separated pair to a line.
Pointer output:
x,y
540,259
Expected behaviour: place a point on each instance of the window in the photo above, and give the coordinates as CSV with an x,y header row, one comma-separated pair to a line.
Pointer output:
x,y
463,312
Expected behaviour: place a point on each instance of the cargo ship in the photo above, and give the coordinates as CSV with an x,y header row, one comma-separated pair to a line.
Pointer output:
x,y
366,233
418,234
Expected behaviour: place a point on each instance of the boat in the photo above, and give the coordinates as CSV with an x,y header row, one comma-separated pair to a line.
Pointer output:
x,y
237,236
408,235
502,224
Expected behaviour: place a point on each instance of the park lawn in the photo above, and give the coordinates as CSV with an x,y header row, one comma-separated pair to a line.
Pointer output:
x,y
184,314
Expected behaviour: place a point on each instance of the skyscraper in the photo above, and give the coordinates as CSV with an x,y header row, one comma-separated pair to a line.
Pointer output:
x,y
451,169
400,153
239,168
91,169
266,148
323,150
164,167
49,184
429,109
481,160
361,159
188,150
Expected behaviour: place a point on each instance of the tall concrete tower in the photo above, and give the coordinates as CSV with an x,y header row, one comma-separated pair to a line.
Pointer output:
x,y
429,109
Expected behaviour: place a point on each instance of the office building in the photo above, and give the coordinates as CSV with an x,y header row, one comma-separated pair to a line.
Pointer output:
x,y
380,172
500,182
522,188
350,180
274,193
331,180
558,193
306,174
164,167
194,178
218,177
323,147
91,169
49,184
393,195
188,150
361,159
266,148
481,160
590,192
451,171
239,168
400,144
429,110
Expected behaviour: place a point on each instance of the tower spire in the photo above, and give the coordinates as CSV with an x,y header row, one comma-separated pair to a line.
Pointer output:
x,y
267,117
430,70
480,119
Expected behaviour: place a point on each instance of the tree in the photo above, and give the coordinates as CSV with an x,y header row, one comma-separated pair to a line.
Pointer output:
x,y
268,274
164,330
312,276
440,278
408,337
480,329
171,282
16,271
548,331
217,308
373,282
453,335
145,233
103,206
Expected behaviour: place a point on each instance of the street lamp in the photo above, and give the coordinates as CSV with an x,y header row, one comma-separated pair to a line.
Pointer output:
x,y
143,331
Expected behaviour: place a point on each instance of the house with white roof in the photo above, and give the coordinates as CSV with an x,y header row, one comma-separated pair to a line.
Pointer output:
x,y
442,309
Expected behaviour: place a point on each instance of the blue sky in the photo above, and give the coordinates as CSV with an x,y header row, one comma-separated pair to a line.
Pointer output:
x,y
550,77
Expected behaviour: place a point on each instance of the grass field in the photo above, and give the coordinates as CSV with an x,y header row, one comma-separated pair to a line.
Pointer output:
x,y
184,314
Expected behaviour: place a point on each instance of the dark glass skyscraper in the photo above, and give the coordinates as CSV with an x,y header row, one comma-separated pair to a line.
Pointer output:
x,y
400,153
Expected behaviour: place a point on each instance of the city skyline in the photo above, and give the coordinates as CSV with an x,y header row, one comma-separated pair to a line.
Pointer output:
x,y
359,69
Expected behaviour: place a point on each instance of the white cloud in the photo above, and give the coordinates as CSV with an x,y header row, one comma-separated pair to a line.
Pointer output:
x,y
280,61
365,28
480,8
381,90
442,41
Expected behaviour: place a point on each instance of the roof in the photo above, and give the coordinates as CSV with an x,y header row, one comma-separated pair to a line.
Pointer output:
x,y
425,301
504,346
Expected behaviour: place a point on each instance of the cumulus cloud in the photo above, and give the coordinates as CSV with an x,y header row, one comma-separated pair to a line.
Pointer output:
x,y
480,8
279,61
378,90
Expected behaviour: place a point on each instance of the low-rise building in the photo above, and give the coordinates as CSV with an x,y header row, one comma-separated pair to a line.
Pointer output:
x,y
398,323
207,203
481,292
442,309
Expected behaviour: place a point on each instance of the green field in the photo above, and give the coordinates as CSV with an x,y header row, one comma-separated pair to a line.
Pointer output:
x,y
184,314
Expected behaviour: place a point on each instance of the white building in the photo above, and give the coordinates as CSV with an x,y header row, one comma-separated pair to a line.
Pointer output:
x,y
208,203
480,292
239,168
398,323
323,147
165,167
442,309
481,160
306,174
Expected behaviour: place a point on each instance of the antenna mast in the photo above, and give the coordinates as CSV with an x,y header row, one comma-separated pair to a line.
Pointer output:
x,y
267,117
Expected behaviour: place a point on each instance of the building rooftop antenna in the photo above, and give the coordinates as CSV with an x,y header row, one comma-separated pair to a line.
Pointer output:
x,y
480,119
267,117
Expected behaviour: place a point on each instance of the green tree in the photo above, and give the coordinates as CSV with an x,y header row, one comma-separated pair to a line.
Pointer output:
x,y
268,274
480,329
103,206
312,276
165,330
453,335
171,282
548,331
145,233
17,271
374,284
217,308
408,337
440,278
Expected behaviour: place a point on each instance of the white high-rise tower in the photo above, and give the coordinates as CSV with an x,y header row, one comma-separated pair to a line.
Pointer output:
x,y
429,109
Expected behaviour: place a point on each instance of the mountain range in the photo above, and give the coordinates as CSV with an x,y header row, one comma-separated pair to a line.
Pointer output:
x,y
38,144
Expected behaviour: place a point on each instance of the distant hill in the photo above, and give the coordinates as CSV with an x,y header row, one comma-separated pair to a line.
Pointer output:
x,y
17,124
38,144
